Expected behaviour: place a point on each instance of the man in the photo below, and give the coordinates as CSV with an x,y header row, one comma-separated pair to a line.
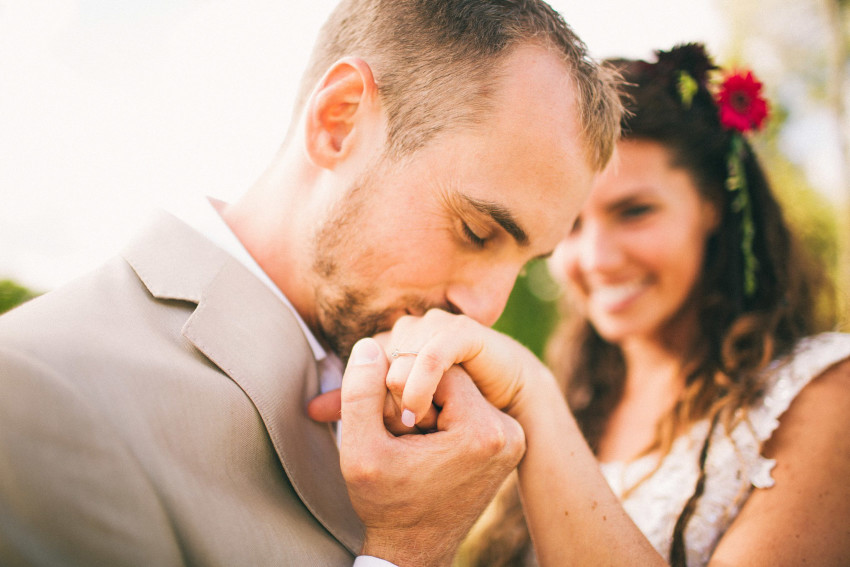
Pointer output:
x,y
153,412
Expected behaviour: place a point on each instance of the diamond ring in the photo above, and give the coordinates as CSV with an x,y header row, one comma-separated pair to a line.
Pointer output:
x,y
397,353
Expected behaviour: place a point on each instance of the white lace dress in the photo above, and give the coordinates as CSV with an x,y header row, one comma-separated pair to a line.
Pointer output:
x,y
734,464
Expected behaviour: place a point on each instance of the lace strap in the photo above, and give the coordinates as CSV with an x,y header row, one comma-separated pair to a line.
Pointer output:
x,y
810,358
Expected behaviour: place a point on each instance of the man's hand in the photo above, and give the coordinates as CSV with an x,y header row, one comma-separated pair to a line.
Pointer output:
x,y
418,495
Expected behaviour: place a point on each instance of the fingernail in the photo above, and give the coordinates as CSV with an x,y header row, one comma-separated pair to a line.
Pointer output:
x,y
408,418
364,351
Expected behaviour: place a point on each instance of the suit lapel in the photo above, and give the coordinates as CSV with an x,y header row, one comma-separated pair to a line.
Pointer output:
x,y
242,327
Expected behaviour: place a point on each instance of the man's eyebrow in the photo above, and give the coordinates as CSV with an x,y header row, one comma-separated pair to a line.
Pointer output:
x,y
502,216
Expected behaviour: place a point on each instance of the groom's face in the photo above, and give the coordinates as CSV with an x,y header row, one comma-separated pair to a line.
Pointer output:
x,y
451,225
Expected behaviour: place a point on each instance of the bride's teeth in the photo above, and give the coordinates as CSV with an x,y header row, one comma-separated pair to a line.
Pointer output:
x,y
615,293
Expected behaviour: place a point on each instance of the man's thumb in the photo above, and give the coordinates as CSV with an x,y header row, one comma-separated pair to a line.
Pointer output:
x,y
364,388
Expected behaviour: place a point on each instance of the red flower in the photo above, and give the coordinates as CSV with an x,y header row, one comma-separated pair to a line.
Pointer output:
x,y
742,107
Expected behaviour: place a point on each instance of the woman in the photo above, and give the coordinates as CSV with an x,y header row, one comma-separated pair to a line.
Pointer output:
x,y
708,422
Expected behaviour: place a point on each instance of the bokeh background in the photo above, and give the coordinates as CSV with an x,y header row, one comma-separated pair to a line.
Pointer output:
x,y
112,108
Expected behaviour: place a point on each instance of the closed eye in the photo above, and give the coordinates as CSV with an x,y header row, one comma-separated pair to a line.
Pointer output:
x,y
473,238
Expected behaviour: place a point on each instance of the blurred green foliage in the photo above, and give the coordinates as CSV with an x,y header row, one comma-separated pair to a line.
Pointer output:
x,y
13,294
810,214
814,220
532,310
806,79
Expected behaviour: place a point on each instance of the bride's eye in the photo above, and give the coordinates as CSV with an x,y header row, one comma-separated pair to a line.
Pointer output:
x,y
636,211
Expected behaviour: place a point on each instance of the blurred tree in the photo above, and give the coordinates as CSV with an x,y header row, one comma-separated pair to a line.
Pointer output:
x,y
838,93
13,294
800,50
812,218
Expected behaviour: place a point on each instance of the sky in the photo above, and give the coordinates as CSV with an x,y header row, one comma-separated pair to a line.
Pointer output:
x,y
110,109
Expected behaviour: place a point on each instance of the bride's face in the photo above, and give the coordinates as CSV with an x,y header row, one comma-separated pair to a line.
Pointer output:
x,y
637,249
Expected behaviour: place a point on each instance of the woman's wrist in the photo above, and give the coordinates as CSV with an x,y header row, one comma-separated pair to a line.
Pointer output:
x,y
537,391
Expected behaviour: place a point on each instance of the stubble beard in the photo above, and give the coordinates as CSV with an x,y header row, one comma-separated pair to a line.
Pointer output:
x,y
346,320
346,315
344,311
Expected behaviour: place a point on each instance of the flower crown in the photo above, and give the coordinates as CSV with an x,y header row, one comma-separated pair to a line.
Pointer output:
x,y
741,108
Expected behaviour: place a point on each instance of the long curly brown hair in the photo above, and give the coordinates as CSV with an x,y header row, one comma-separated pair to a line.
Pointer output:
x,y
739,333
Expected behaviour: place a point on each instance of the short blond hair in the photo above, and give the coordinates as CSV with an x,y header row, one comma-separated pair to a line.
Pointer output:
x,y
435,61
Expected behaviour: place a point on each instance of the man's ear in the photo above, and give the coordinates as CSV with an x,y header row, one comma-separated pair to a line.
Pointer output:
x,y
342,100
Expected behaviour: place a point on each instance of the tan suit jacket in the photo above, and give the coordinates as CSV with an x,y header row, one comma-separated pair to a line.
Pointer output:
x,y
152,413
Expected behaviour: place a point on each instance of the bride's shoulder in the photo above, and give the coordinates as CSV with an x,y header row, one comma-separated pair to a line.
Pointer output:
x,y
813,385
802,517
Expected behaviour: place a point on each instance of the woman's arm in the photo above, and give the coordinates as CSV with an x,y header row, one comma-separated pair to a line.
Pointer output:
x,y
804,519
573,516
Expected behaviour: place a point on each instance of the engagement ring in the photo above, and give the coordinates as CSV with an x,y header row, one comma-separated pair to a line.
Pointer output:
x,y
397,353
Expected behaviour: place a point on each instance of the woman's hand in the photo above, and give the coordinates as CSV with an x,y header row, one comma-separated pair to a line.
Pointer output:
x,y
426,348
500,367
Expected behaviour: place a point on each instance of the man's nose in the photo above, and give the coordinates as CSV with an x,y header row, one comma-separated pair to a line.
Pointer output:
x,y
483,294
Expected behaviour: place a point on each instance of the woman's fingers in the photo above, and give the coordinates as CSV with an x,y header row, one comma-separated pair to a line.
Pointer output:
x,y
453,340
498,365
394,424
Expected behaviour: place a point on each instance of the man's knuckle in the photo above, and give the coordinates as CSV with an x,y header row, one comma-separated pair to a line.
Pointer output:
x,y
360,471
489,441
